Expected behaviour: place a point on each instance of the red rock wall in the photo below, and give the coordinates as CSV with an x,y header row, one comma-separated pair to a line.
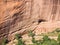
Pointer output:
x,y
47,9
13,17
18,16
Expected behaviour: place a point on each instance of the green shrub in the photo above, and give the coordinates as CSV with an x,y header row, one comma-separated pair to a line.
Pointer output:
x,y
4,41
31,34
19,39
20,42
45,40
18,36
58,39
53,42
57,30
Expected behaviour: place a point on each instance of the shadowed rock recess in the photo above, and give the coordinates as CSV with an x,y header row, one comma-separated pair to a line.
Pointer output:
x,y
19,16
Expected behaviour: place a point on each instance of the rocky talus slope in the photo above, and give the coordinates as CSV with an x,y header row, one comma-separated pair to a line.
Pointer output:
x,y
19,16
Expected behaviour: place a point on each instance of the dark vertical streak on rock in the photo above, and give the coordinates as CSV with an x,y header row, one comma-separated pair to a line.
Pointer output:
x,y
59,2
54,9
55,2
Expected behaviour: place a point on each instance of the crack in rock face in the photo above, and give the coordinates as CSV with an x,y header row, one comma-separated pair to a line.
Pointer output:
x,y
19,16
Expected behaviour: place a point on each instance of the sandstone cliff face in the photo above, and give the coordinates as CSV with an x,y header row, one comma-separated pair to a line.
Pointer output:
x,y
47,9
14,16
18,16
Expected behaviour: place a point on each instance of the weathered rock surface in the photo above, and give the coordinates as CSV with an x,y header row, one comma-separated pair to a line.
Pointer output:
x,y
15,16
19,16
46,27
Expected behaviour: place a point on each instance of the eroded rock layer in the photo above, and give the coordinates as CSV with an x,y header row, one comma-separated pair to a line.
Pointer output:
x,y
19,16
